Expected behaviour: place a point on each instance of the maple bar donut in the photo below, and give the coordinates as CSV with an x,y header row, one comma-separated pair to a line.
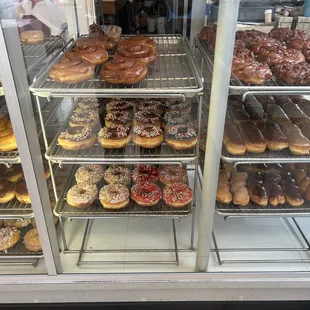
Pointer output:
x,y
9,236
117,174
119,105
146,194
147,136
7,140
96,55
21,192
18,223
171,174
7,191
181,137
138,40
174,118
82,195
123,118
89,174
177,105
96,39
177,195
32,37
84,118
124,71
147,118
145,173
114,137
77,138
32,241
114,196
150,105
14,173
71,70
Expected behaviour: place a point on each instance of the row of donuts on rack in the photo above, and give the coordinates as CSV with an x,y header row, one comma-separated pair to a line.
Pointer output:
x,y
283,52
154,121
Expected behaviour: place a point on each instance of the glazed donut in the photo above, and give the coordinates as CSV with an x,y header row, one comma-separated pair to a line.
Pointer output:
x,y
9,236
32,37
32,240
138,40
117,174
123,71
114,137
89,174
144,53
147,117
114,32
147,136
171,174
118,105
18,223
96,39
84,118
181,137
4,122
177,105
7,191
7,140
176,118
146,194
21,192
96,55
114,196
145,173
82,195
177,195
71,70
150,105
118,118
14,173
77,138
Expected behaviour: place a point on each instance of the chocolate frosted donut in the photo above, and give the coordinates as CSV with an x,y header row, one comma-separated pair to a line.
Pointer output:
x,y
150,105
176,118
118,118
114,137
177,105
119,105
84,118
147,136
181,137
147,117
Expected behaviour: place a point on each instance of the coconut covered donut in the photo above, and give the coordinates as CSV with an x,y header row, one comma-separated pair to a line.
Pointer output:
x,y
89,174
117,174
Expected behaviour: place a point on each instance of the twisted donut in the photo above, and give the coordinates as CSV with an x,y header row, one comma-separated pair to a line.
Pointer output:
x,y
141,52
71,70
138,40
124,71
96,55
96,39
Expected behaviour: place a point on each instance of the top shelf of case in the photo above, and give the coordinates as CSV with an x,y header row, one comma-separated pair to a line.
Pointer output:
x,y
174,72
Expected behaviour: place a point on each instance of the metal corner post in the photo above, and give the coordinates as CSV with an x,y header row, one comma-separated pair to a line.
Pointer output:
x,y
225,37
19,104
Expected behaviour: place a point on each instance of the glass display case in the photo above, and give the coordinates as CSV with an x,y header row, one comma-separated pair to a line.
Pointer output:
x,y
165,149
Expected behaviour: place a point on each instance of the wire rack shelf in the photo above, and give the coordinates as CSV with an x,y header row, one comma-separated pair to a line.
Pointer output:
x,y
174,72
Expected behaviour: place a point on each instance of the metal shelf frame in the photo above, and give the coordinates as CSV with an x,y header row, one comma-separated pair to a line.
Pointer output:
x,y
174,72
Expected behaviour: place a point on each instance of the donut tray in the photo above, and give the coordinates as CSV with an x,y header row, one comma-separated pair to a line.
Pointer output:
x,y
19,251
174,72
63,209
236,87
254,210
15,209
34,55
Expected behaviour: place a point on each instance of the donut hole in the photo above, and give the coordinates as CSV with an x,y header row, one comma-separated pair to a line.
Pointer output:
x,y
82,191
182,130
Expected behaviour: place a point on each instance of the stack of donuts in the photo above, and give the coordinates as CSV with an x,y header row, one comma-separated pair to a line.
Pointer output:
x,y
283,52
144,192
7,139
277,125
128,66
153,122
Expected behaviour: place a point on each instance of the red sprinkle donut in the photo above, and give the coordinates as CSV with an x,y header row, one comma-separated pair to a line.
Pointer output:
x,y
145,173
171,174
177,195
146,194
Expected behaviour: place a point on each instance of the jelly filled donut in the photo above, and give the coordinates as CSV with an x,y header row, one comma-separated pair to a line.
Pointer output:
x,y
114,137
177,195
77,138
9,236
145,173
146,194
89,174
82,195
171,174
181,137
147,136
114,196
117,174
